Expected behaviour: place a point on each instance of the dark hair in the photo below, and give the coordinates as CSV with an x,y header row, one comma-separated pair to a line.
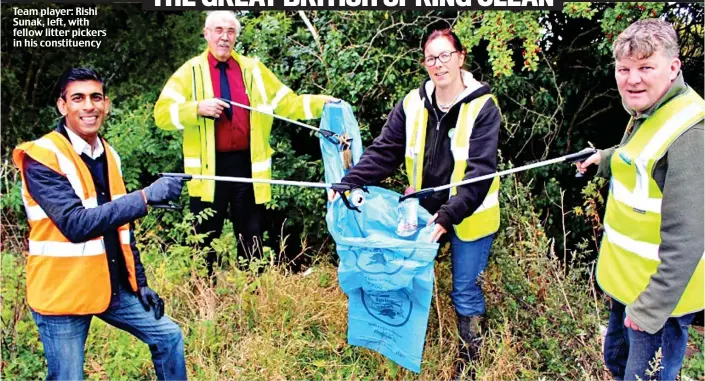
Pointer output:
x,y
447,33
78,74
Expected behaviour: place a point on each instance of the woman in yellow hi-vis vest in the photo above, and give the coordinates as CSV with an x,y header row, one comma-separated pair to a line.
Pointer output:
x,y
651,257
446,131
225,140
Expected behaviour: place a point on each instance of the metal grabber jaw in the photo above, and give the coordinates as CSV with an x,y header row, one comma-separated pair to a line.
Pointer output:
x,y
352,195
343,141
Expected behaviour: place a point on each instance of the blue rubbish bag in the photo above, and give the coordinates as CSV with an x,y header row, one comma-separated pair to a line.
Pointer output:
x,y
388,279
339,118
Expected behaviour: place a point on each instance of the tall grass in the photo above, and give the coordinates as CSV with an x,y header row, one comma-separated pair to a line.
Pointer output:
x,y
262,321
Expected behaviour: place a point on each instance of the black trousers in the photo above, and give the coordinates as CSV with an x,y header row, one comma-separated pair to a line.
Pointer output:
x,y
235,201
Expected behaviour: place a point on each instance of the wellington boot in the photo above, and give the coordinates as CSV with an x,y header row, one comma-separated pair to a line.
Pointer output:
x,y
469,344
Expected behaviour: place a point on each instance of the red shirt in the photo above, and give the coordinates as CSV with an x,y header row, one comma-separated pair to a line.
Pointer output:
x,y
234,134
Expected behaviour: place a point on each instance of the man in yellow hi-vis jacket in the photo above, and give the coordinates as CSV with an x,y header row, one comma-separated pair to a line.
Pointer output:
x,y
651,257
225,140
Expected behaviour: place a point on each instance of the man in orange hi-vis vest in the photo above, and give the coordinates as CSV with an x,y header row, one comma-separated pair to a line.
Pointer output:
x,y
82,259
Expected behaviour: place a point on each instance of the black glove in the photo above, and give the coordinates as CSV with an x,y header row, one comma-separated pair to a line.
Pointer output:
x,y
148,298
164,189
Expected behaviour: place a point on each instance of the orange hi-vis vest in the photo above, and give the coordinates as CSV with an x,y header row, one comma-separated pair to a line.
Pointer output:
x,y
63,277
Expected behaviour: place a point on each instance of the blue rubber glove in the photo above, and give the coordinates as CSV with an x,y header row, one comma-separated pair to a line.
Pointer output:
x,y
148,298
163,190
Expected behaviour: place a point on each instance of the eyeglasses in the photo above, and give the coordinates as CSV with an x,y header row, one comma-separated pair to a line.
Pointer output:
x,y
219,31
443,57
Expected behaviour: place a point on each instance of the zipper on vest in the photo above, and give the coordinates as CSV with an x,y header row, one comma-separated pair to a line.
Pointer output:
x,y
194,94
432,153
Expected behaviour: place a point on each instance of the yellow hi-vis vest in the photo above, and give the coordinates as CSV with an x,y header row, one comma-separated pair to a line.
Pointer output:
x,y
63,277
177,108
485,220
629,254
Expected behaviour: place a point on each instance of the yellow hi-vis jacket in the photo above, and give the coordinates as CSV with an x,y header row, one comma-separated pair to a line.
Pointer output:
x,y
485,220
629,254
177,108
63,277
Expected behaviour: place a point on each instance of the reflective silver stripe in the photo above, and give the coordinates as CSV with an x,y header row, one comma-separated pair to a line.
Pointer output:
x,y
90,202
641,184
34,213
461,149
117,196
307,107
417,128
420,128
623,195
174,114
491,200
410,110
260,166
417,167
414,109
66,165
674,124
257,73
470,122
125,237
265,109
283,91
454,139
409,152
66,249
173,95
192,162
643,249
117,159
460,153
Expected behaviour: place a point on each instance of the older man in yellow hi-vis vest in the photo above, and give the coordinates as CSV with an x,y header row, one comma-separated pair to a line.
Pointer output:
x,y
226,140
651,259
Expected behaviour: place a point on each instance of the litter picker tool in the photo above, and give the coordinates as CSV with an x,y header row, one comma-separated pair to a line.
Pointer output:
x,y
574,157
352,195
342,140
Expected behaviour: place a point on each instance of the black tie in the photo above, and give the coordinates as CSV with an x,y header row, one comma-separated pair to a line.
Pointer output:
x,y
225,88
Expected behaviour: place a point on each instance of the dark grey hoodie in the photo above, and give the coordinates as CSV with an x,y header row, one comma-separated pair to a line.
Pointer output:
x,y
387,152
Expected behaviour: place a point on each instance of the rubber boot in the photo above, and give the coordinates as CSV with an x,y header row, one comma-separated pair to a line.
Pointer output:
x,y
470,331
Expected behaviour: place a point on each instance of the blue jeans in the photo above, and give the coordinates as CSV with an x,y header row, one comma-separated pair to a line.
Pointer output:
x,y
64,338
469,259
628,352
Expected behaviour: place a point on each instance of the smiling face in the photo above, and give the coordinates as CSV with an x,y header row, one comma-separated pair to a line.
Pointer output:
x,y
84,106
642,82
443,74
220,33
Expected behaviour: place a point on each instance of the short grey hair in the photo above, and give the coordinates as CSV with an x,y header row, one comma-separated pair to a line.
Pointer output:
x,y
644,38
212,15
